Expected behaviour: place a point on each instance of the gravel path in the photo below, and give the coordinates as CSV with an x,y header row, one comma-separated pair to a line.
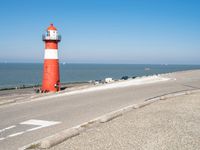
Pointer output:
x,y
164,125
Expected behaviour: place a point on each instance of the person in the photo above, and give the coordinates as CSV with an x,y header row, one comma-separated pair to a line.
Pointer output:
x,y
57,85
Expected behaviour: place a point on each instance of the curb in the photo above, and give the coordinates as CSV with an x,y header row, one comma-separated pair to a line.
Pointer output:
x,y
57,138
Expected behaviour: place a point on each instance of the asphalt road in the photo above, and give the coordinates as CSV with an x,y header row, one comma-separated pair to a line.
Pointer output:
x,y
26,122
171,124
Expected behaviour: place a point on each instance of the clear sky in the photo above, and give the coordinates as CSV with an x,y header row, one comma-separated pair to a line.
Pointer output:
x,y
103,31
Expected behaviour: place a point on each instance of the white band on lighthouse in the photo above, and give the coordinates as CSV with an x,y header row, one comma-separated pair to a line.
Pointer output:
x,y
51,54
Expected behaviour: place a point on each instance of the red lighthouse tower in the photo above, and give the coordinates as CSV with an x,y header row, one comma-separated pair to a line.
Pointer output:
x,y
51,74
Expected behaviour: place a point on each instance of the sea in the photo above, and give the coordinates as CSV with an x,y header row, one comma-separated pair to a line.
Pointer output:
x,y
30,74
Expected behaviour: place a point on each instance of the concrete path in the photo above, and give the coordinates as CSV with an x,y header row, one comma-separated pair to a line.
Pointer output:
x,y
27,122
165,125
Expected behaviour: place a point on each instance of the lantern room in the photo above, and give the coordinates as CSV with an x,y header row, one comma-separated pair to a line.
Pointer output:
x,y
51,34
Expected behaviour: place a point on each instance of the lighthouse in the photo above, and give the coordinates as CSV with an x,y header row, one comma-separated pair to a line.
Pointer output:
x,y
51,74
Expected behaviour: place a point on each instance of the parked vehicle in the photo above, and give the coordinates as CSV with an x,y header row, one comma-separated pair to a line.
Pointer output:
x,y
125,78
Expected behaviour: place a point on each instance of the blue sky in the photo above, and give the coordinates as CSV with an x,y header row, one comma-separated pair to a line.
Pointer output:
x,y
103,31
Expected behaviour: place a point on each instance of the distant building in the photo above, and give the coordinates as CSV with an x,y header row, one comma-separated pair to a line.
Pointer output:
x,y
108,80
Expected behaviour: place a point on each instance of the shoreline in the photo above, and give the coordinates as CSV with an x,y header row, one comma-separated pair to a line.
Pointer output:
x,y
26,86
65,84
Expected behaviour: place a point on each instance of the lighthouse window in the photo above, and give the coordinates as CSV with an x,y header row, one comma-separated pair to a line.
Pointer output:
x,y
48,33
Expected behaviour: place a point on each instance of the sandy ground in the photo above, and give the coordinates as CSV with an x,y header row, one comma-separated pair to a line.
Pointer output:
x,y
165,125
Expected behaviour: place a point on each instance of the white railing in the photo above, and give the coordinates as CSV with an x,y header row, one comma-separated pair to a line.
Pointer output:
x,y
56,38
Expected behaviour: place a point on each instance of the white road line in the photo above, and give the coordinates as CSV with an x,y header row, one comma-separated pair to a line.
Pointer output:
x,y
15,134
10,127
1,139
34,129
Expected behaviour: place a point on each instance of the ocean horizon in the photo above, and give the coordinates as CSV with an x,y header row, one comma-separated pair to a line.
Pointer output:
x,y
30,74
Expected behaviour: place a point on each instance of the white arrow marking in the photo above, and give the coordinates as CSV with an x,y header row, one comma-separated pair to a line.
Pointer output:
x,y
40,123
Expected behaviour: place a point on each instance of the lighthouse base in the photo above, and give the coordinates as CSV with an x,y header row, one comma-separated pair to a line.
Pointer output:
x,y
51,76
